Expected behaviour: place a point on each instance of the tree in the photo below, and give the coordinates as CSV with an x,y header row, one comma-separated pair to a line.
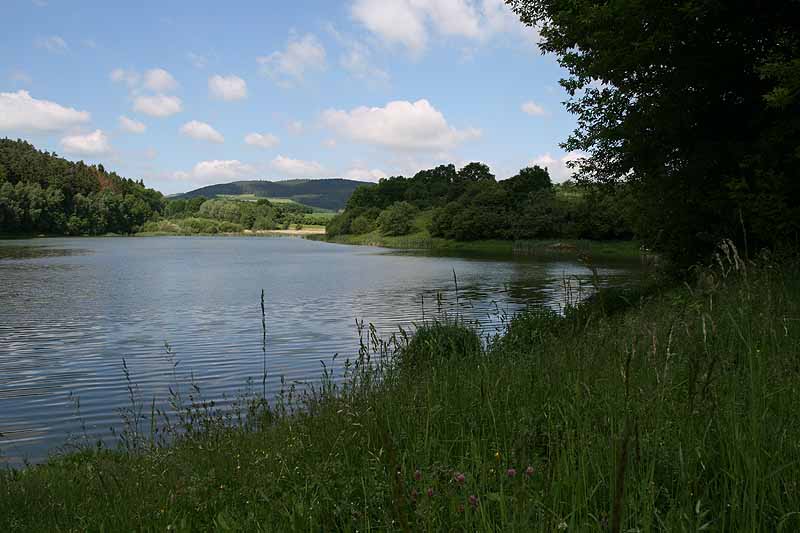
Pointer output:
x,y
397,218
679,97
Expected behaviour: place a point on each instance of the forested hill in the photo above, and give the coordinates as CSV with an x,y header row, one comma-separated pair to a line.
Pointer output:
x,y
323,193
43,193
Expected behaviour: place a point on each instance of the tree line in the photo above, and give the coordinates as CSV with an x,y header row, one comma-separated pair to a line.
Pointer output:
x,y
470,204
695,103
43,193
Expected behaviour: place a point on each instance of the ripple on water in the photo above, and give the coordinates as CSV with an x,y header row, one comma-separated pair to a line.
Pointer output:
x,y
72,309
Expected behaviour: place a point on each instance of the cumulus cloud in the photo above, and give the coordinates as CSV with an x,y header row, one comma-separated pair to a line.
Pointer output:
x,y
159,80
53,43
409,23
131,126
289,67
533,109
215,171
297,168
559,168
227,87
21,112
365,174
91,144
202,132
400,125
126,76
158,105
262,140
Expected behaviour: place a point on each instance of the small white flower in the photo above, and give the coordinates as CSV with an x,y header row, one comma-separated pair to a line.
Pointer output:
x,y
562,526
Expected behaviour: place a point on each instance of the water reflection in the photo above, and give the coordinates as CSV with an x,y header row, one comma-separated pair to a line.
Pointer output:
x,y
72,309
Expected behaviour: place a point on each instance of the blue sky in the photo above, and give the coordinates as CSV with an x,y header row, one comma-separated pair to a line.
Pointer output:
x,y
184,94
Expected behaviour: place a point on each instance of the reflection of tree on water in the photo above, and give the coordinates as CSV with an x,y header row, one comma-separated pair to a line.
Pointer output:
x,y
29,251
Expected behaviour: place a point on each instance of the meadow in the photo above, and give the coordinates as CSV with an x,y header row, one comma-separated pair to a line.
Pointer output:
x,y
645,409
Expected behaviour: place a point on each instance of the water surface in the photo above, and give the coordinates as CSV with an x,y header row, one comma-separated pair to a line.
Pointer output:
x,y
72,309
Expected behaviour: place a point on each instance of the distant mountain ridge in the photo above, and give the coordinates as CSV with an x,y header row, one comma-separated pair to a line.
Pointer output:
x,y
330,193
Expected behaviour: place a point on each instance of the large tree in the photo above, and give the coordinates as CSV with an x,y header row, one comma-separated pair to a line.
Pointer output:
x,y
694,102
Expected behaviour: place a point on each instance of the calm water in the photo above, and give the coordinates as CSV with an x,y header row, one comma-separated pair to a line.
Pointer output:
x,y
72,309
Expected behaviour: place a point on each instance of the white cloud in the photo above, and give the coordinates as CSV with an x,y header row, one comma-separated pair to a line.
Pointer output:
x,y
158,105
202,132
365,174
394,21
53,43
227,87
215,171
409,23
131,126
533,109
297,168
159,80
356,60
302,55
400,125
91,144
559,168
128,77
296,127
20,112
197,60
262,140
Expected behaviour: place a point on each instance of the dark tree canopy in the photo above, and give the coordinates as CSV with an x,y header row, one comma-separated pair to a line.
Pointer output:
x,y
41,192
694,100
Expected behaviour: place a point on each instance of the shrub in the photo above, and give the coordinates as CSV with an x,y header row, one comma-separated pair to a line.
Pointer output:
x,y
440,341
361,224
397,219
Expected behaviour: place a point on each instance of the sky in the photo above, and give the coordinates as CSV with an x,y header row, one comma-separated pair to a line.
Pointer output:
x,y
186,94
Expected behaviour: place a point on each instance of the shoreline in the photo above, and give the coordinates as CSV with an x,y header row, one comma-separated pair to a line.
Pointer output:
x,y
572,248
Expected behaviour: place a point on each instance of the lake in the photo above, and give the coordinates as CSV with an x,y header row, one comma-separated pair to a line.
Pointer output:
x,y
71,309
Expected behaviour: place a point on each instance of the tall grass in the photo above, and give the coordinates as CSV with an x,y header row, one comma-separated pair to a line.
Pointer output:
x,y
678,414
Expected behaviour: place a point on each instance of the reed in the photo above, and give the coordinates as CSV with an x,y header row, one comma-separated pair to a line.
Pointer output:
x,y
677,413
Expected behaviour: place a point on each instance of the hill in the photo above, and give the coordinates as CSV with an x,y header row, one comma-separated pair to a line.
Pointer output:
x,y
43,193
323,193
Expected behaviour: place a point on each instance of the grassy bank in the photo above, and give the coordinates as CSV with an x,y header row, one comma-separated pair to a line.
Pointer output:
x,y
421,240
676,415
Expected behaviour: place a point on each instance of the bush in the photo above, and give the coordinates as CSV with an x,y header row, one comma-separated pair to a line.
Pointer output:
x,y
397,219
440,341
361,224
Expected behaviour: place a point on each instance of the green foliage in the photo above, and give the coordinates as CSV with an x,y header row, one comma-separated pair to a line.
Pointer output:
x,y
469,204
43,193
191,226
440,342
695,102
361,224
684,406
396,219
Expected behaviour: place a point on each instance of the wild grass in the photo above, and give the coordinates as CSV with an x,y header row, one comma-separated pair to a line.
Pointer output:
x,y
678,414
